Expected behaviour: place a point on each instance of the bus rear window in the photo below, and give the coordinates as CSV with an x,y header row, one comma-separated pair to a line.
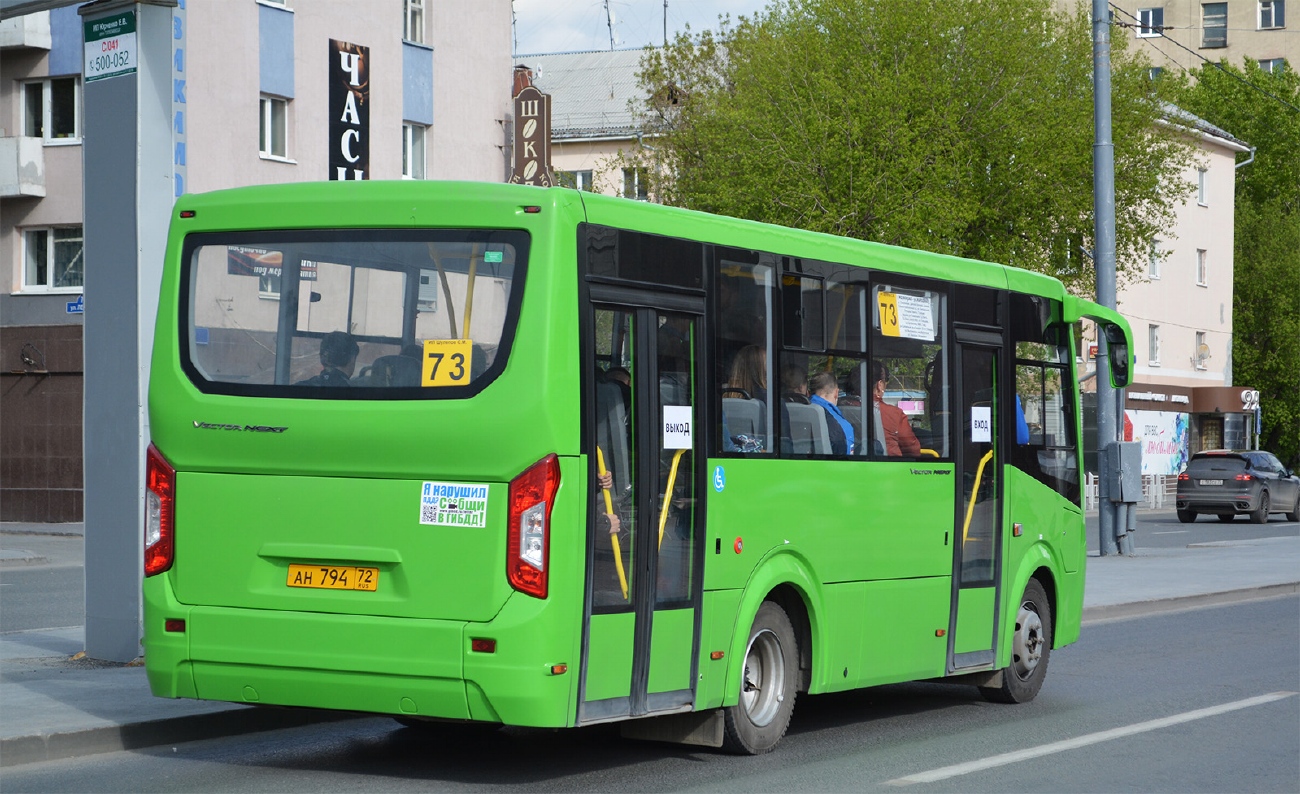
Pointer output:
x,y
364,314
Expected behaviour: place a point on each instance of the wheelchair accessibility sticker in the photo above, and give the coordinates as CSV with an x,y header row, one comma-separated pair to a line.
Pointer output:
x,y
719,479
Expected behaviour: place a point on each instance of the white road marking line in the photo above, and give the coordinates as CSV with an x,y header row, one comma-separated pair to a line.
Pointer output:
x,y
1172,532
943,773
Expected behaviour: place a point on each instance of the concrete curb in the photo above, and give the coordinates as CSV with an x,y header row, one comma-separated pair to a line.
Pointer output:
x,y
1180,603
19,750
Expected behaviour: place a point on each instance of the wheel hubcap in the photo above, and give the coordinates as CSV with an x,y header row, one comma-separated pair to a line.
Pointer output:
x,y
763,689
1027,645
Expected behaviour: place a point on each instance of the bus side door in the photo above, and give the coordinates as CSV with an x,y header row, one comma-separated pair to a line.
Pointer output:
x,y
641,616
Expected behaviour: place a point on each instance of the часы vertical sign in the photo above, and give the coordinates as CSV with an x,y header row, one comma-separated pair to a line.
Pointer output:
x,y
110,46
349,127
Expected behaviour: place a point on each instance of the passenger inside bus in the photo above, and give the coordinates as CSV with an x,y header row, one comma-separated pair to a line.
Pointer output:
x,y
338,358
899,438
794,384
749,373
825,394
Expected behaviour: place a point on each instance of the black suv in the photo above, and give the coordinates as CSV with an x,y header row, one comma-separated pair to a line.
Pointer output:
x,y
1226,482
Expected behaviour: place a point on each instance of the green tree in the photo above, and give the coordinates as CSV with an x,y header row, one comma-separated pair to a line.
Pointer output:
x,y
963,127
1261,108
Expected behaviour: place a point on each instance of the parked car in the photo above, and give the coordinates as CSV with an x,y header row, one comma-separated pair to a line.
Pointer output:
x,y
1227,482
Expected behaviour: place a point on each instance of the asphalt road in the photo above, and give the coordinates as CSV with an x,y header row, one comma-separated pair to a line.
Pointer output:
x,y
1150,679
47,592
1162,529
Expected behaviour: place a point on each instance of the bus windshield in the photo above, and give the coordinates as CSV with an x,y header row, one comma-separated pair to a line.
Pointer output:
x,y
362,314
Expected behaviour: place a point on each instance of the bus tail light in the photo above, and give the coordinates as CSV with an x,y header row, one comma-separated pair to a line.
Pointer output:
x,y
528,531
159,513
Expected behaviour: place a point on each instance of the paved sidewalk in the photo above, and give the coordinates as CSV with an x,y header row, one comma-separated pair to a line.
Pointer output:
x,y
54,705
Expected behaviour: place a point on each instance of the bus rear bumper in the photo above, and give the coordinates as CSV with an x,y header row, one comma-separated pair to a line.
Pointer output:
x,y
382,665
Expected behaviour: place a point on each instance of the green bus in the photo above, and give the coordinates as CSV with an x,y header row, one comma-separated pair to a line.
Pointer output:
x,y
537,457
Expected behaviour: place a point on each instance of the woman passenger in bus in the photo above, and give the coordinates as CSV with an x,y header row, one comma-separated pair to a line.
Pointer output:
x,y
749,373
825,394
899,438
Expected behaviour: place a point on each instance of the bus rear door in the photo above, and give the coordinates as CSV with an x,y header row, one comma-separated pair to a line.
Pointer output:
x,y
643,592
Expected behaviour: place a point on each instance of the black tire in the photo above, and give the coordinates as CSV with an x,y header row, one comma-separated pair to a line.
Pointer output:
x,y
1031,648
1225,517
767,687
1186,516
1294,513
1260,514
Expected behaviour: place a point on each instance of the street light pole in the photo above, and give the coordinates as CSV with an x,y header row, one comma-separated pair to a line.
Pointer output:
x,y
1103,202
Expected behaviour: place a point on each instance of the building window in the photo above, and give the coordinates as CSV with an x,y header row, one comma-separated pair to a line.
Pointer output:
x,y
1154,72
578,180
634,184
1151,22
52,110
1153,345
1153,269
1200,187
1201,280
1202,351
413,150
1214,25
1272,14
55,259
414,26
1273,64
275,127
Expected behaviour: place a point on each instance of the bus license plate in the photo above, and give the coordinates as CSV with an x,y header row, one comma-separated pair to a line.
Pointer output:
x,y
1211,482
334,577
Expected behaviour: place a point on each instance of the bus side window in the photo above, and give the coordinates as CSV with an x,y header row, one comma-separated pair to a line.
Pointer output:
x,y
1043,394
909,326
744,373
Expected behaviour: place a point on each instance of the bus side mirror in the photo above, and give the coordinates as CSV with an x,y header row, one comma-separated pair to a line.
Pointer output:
x,y
315,297
1117,351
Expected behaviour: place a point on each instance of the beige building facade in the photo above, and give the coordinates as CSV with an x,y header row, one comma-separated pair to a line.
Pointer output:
x,y
252,104
1178,34
1180,310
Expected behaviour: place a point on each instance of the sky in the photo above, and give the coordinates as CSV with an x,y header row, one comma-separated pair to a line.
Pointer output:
x,y
546,26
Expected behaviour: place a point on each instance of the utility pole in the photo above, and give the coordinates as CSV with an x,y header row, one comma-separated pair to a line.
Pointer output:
x,y
665,23
1103,202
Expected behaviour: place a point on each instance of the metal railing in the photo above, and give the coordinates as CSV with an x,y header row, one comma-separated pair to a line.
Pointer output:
x,y
1158,490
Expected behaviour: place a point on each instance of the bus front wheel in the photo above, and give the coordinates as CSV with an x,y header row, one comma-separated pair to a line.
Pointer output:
x,y
1031,646
767,686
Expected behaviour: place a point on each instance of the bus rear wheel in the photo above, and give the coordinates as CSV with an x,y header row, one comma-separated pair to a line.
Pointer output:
x,y
1031,647
767,686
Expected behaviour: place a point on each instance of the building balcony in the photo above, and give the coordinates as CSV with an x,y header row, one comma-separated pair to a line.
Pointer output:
x,y
22,167
29,31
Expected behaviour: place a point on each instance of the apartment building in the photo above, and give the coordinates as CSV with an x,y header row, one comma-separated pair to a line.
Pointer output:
x,y
1183,34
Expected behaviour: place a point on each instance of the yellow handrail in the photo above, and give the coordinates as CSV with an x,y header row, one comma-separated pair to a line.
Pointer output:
x,y
446,287
929,452
668,495
613,538
469,290
974,492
